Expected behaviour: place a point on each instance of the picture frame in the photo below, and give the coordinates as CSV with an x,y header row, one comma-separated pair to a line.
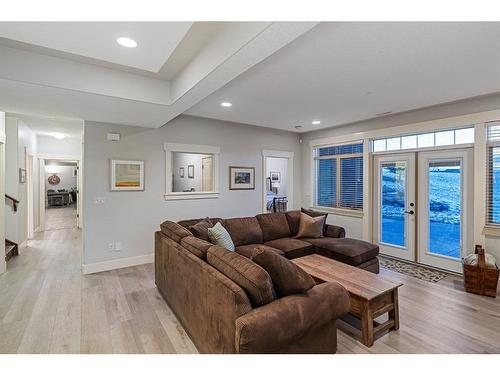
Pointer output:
x,y
275,177
191,171
22,175
241,178
181,172
126,175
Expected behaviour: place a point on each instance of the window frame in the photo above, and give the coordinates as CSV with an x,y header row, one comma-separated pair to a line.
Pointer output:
x,y
171,148
338,186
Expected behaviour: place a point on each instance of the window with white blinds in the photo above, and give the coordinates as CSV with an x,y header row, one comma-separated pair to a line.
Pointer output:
x,y
493,174
339,176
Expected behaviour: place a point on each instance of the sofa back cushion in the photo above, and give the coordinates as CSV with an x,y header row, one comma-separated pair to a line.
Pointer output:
x,y
189,222
293,219
251,277
244,230
197,246
174,231
314,213
274,226
287,277
200,229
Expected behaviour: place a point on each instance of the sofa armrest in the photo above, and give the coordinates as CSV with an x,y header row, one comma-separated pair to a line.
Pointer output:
x,y
334,231
274,327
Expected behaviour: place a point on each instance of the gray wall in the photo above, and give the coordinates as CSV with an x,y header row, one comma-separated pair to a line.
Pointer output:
x,y
133,217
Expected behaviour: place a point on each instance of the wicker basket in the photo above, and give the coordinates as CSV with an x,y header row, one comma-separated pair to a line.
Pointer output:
x,y
478,279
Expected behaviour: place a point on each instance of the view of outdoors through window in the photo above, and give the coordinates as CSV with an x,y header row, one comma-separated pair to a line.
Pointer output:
x,y
393,190
445,207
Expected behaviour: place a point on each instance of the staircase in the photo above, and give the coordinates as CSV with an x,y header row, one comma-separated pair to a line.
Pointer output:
x,y
11,249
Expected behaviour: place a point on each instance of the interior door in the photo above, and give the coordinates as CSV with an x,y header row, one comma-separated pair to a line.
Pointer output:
x,y
207,174
445,203
394,204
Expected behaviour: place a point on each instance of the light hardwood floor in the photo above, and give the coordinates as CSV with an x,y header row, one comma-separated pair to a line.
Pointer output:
x,y
48,306
60,217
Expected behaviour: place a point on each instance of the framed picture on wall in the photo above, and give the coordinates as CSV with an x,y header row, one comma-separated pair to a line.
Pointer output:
x,y
275,177
22,175
241,178
190,171
127,175
181,172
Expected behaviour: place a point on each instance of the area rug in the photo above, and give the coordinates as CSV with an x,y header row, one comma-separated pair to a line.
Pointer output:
x,y
414,270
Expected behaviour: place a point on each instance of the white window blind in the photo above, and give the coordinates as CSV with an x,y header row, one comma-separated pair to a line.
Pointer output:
x,y
339,176
493,174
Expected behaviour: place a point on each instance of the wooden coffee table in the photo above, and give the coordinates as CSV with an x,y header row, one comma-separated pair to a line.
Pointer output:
x,y
371,295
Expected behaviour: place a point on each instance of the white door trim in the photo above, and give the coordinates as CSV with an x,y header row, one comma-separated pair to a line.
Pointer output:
x,y
289,173
407,252
61,157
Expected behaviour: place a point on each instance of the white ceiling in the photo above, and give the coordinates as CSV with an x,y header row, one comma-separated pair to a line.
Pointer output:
x,y
49,126
345,72
43,81
156,41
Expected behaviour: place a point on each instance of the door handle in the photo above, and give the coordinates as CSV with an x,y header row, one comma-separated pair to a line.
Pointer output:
x,y
411,212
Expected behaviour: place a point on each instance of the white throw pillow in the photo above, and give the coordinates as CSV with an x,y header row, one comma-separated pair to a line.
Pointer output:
x,y
220,236
489,260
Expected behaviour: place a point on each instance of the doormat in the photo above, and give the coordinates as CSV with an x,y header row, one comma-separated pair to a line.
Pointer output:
x,y
414,270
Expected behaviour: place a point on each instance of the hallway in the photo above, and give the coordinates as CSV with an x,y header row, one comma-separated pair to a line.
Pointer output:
x,y
48,306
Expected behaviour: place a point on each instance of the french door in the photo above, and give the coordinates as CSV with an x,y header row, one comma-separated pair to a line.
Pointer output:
x,y
421,205
444,207
394,193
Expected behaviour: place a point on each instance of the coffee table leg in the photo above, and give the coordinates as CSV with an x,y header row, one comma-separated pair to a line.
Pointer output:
x,y
394,313
367,325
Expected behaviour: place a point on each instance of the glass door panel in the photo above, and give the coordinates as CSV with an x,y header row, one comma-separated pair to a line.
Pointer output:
x,y
393,198
445,207
394,209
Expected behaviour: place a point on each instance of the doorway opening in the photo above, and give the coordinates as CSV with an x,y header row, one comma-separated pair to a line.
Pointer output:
x,y
278,176
60,194
422,201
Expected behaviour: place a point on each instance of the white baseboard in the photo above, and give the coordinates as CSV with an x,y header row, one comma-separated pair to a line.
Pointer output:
x,y
117,263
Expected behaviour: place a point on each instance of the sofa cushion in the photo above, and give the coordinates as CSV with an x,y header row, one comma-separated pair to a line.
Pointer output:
x,y
247,250
244,230
293,218
346,250
174,231
312,227
292,247
200,229
287,277
251,277
273,225
314,213
197,246
189,222
220,236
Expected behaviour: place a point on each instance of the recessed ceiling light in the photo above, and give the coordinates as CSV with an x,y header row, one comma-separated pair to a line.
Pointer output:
x,y
59,135
126,42
316,122
226,104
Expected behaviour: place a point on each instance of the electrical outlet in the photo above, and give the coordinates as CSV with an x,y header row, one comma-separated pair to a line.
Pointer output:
x,y
99,201
111,246
118,246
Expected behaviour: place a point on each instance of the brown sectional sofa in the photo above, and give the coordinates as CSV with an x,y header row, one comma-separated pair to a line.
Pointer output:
x,y
220,316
